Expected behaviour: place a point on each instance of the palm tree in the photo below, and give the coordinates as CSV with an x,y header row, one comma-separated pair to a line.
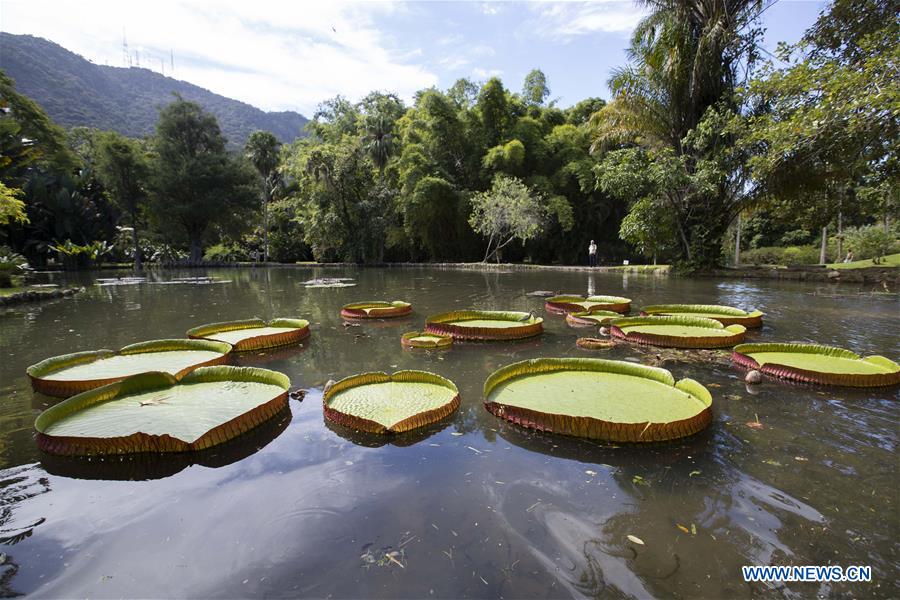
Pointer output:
x,y
378,142
686,55
262,149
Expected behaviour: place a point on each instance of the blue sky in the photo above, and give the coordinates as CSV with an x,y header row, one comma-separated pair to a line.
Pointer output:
x,y
292,55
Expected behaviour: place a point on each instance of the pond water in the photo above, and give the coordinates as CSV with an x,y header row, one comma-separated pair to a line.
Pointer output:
x,y
474,506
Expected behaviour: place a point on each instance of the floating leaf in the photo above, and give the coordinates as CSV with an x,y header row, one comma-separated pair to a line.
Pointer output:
x,y
600,399
635,539
726,315
253,334
813,363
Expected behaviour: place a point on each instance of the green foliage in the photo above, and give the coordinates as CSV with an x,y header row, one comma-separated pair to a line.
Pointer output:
x,y
226,252
12,266
124,170
12,209
197,184
535,90
871,242
507,212
776,255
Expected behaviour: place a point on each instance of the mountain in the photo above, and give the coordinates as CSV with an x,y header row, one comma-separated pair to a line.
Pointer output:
x,y
74,91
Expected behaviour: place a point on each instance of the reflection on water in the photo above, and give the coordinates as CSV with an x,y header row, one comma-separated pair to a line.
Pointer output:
x,y
476,506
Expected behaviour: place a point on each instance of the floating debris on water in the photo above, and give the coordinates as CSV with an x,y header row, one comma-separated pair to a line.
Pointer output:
x,y
329,282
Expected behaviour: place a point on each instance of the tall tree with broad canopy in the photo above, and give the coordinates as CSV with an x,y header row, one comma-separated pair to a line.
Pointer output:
x,y
197,184
123,168
687,56
262,149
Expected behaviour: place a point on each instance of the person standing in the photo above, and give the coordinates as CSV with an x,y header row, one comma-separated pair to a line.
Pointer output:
x,y
592,254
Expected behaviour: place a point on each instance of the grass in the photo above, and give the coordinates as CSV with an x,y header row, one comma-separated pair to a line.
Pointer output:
x,y
891,260
16,289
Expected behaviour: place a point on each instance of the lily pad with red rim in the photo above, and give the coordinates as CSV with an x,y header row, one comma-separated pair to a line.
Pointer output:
x,y
423,339
156,412
726,315
485,325
376,309
677,332
381,403
814,363
599,399
574,303
70,374
253,334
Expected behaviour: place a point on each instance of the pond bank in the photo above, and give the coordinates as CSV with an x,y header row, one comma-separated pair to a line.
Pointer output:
x,y
876,275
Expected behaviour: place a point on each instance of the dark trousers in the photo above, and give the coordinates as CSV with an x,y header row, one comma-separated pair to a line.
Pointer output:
x,y
592,258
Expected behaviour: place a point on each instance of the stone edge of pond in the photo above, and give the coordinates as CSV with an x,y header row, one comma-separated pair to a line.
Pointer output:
x,y
38,295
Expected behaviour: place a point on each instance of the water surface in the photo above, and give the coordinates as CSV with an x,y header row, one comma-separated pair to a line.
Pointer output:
x,y
476,507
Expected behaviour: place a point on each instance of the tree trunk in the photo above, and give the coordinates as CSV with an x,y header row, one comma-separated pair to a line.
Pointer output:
x,y
824,248
266,224
840,225
737,242
196,250
138,259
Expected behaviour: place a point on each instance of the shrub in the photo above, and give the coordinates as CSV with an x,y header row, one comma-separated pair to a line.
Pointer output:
x,y
774,255
12,265
225,252
871,241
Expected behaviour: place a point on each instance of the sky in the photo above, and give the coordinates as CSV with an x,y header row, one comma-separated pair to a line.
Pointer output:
x,y
293,55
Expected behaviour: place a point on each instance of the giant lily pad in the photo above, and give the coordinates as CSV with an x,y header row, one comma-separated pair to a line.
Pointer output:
x,y
812,363
155,412
726,315
571,303
253,334
485,325
382,403
677,332
142,466
376,309
423,339
71,374
601,399
591,319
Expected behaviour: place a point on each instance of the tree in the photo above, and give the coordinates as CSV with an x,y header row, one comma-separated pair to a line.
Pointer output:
x,y
824,127
535,90
124,171
262,149
687,57
197,184
508,211
379,141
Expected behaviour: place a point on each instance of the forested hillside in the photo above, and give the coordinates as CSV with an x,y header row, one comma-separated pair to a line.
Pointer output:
x,y
76,92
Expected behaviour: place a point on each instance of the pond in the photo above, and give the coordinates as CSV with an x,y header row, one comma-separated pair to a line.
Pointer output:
x,y
473,506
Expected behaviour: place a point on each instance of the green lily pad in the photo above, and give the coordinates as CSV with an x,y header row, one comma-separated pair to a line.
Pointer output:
x,y
600,399
574,303
421,339
155,412
485,325
382,403
70,374
253,334
677,332
585,319
376,309
726,315
814,363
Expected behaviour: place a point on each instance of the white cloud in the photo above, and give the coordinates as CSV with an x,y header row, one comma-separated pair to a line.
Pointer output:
x,y
486,73
490,8
565,20
274,55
